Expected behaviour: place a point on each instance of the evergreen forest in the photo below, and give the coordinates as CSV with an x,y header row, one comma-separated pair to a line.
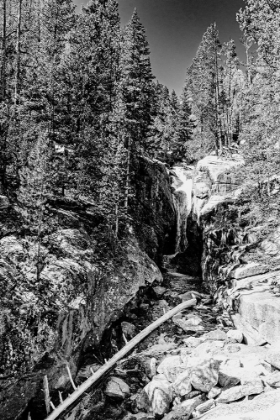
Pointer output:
x,y
100,176
79,104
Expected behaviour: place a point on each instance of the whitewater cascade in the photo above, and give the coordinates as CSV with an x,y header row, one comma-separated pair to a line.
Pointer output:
x,y
183,184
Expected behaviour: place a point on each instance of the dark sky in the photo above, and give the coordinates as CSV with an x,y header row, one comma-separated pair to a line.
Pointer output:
x,y
174,30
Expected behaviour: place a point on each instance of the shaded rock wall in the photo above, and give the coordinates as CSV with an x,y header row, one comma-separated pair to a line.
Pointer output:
x,y
154,214
240,264
49,322
62,315
214,183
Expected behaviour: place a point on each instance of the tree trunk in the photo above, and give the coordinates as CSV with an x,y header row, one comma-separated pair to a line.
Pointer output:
x,y
4,52
118,356
127,177
17,73
217,94
4,125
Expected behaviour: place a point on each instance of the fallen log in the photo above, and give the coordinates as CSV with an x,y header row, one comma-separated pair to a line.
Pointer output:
x,y
118,356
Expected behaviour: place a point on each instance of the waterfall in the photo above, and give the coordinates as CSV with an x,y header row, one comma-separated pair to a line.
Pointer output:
x,y
182,184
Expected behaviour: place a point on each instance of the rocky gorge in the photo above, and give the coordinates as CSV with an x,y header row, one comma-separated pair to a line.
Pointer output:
x,y
196,365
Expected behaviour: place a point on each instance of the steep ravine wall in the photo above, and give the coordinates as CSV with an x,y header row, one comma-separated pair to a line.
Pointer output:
x,y
238,266
49,324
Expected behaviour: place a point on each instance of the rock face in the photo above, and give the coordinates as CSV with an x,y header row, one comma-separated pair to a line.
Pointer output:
x,y
51,312
222,251
154,211
79,304
215,182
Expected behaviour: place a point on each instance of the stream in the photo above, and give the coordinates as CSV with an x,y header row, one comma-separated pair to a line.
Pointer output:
x,y
108,402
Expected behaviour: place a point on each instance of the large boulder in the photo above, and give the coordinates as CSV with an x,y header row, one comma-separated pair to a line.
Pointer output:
x,y
262,313
262,407
237,392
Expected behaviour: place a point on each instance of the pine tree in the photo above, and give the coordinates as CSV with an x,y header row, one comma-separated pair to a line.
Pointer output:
x,y
135,99
164,126
135,84
33,193
92,65
203,87
232,85
260,106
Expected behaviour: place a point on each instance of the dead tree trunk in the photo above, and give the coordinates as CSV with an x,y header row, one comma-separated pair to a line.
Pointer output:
x,y
112,362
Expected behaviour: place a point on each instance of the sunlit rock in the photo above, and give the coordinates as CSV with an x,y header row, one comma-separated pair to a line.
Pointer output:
x,y
171,367
160,394
235,336
205,375
237,392
117,388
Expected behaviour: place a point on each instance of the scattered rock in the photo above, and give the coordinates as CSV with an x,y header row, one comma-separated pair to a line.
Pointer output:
x,y
182,386
187,325
251,335
237,392
141,401
273,357
159,290
150,366
162,303
193,320
171,367
192,341
228,378
128,329
204,407
235,336
273,379
160,394
184,410
255,409
208,348
160,348
215,335
190,405
214,392
205,375
117,388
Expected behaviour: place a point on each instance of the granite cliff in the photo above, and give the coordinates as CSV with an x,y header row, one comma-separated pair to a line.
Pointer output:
x,y
54,319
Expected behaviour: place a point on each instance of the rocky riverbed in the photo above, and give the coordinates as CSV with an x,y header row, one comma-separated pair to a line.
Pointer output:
x,y
196,365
